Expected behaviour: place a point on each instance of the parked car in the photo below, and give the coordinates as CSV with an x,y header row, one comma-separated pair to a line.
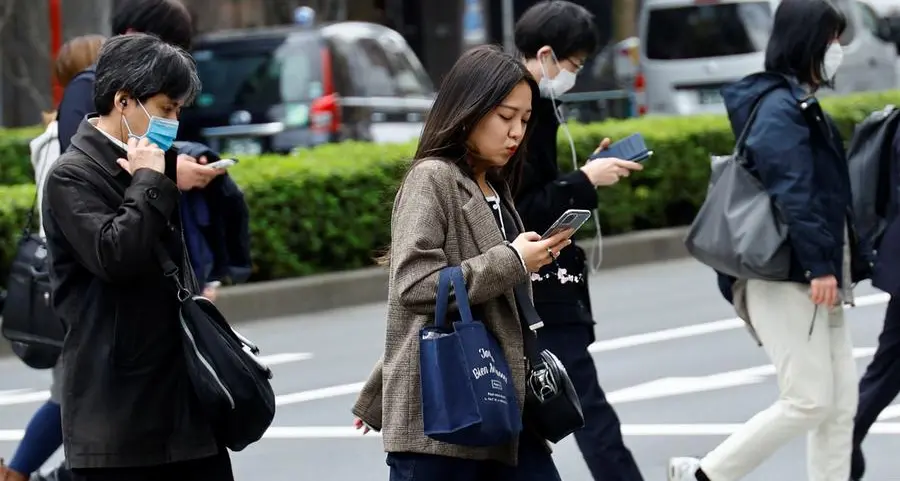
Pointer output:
x,y
277,89
718,42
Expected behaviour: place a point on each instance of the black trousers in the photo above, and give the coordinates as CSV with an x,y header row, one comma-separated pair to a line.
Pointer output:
x,y
535,464
600,441
879,385
215,468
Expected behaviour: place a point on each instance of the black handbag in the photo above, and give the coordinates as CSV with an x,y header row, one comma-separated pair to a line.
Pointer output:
x,y
231,384
29,322
552,406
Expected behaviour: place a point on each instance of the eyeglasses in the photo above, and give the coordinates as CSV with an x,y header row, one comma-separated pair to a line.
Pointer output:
x,y
579,65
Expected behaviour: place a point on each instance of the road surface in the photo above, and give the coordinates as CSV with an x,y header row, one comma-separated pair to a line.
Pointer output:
x,y
680,371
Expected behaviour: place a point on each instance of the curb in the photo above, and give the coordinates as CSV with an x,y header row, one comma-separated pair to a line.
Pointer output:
x,y
305,295
318,293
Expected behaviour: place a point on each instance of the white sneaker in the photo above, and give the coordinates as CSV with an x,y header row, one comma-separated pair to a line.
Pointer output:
x,y
683,469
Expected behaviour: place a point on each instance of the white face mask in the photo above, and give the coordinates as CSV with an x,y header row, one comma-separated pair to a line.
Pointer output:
x,y
833,58
557,86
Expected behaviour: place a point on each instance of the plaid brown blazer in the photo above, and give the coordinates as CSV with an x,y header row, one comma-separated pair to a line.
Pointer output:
x,y
440,218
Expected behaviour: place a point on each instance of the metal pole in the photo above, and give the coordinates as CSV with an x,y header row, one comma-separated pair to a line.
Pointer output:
x,y
509,25
55,15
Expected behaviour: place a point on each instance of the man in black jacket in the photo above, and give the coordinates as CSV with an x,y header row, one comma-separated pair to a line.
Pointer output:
x,y
880,384
228,234
555,38
110,203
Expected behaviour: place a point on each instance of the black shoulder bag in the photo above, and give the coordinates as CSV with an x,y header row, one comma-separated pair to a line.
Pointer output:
x,y
29,322
552,405
231,384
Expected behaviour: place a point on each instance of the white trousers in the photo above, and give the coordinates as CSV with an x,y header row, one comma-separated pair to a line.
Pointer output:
x,y
817,385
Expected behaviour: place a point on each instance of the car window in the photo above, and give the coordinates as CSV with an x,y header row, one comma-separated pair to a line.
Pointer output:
x,y
707,30
259,76
409,76
375,68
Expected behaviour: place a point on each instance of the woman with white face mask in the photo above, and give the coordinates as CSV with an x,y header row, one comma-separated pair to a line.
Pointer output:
x,y
794,149
555,38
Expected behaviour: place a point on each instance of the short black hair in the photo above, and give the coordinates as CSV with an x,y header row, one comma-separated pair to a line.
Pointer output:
x,y
566,27
802,31
169,20
143,66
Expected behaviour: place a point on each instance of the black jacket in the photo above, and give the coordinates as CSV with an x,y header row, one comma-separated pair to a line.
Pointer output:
x,y
799,156
560,294
887,265
127,400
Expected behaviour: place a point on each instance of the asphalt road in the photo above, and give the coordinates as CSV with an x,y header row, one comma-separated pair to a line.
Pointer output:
x,y
663,324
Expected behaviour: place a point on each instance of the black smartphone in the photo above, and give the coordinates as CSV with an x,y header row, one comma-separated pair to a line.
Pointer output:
x,y
631,148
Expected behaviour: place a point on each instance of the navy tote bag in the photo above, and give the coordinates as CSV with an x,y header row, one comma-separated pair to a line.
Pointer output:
x,y
468,395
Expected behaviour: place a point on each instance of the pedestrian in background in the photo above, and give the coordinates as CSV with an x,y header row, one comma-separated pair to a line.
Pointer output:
x,y
43,434
556,38
171,22
794,149
880,384
454,208
130,412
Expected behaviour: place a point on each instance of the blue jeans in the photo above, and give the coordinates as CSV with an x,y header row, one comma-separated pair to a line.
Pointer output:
x,y
535,464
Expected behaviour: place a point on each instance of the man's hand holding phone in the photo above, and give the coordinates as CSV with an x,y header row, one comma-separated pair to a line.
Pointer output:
x,y
608,171
194,173
536,252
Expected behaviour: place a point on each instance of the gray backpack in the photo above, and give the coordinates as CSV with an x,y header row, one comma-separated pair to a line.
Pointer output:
x,y
869,163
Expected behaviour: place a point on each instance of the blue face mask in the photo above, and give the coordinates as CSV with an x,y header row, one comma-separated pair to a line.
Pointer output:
x,y
160,131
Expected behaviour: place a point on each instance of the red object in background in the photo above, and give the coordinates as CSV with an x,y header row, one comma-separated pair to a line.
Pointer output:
x,y
54,8
325,111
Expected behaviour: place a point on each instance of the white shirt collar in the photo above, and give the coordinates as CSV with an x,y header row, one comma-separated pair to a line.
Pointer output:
x,y
114,140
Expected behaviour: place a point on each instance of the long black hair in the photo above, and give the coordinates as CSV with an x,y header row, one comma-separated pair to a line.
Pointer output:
x,y
476,85
801,33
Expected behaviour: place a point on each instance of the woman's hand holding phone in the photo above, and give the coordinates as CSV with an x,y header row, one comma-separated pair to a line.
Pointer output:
x,y
536,252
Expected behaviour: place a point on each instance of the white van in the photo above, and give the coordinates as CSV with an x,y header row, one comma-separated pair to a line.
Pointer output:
x,y
691,48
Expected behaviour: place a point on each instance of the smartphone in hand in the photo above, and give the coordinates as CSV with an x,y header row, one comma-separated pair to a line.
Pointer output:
x,y
570,219
631,148
222,164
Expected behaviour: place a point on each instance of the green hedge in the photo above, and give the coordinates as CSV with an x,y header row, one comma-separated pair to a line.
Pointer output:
x,y
328,208
15,161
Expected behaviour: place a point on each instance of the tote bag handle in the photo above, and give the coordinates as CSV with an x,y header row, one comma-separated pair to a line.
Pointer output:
x,y
447,276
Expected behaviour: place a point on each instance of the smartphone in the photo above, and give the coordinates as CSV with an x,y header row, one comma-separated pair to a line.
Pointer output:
x,y
222,164
631,148
570,219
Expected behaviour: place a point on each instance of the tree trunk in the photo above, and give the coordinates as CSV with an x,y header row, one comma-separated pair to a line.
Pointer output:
x,y
625,12
25,59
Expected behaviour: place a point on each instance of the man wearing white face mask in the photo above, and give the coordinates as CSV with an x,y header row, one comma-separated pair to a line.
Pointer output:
x,y
555,38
